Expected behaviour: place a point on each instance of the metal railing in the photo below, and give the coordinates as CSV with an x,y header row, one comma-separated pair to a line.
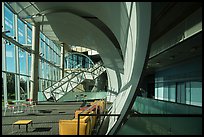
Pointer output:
x,y
96,115
78,125
166,124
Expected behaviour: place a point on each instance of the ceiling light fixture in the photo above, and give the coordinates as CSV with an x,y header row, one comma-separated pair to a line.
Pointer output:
x,y
158,63
193,49
172,57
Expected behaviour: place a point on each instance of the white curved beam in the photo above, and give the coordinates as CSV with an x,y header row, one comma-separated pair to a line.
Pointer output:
x,y
137,49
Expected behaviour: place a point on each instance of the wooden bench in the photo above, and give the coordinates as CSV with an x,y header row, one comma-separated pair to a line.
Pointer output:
x,y
23,122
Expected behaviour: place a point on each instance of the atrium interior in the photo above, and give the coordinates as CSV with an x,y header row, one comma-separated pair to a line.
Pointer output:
x,y
102,68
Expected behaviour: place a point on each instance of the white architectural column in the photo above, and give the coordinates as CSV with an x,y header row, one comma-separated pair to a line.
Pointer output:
x,y
17,65
27,71
34,62
62,61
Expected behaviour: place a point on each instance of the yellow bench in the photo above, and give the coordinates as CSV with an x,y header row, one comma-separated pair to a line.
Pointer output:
x,y
23,122
87,123
69,127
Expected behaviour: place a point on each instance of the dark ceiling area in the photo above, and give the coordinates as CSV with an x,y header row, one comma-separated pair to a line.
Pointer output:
x,y
165,16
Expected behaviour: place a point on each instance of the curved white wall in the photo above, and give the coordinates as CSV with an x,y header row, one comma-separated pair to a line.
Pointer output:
x,y
135,54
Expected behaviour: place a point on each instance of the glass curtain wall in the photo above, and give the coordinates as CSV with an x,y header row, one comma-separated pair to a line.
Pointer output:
x,y
49,71
181,83
15,71
16,62
76,60
186,92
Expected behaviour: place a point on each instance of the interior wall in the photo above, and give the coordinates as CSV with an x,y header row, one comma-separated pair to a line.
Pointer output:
x,y
186,67
181,83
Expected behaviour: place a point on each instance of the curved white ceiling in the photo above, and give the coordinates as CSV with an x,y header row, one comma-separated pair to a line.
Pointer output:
x,y
75,30
59,23
110,17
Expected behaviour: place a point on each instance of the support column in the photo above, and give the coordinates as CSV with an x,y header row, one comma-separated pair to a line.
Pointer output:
x,y
62,61
34,62
17,65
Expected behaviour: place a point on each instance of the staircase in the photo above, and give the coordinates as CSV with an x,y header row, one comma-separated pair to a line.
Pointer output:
x,y
72,80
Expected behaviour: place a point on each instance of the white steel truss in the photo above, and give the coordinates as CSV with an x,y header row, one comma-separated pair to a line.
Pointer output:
x,y
72,80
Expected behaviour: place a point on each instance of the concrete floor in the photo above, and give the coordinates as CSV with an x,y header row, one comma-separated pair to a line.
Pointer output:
x,y
45,119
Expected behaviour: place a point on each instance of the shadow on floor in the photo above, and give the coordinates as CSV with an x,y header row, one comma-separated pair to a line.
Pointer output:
x,y
42,129
45,111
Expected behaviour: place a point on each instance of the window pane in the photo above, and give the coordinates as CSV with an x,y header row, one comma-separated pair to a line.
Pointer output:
x,y
181,96
160,91
10,86
46,47
48,71
42,84
29,39
10,58
43,74
196,93
172,92
9,21
188,92
23,87
22,61
165,93
21,32
29,64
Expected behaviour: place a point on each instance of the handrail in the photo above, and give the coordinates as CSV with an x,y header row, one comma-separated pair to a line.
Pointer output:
x,y
169,117
165,107
165,115
93,105
78,124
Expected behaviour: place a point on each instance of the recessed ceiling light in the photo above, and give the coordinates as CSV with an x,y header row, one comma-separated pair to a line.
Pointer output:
x,y
193,49
172,57
158,63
